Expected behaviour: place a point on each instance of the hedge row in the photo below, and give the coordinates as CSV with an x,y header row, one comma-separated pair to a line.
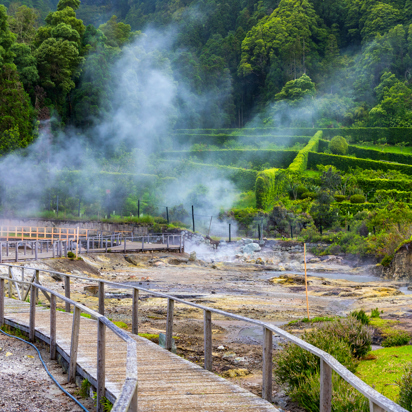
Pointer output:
x,y
219,139
275,158
244,179
268,185
345,163
392,135
397,195
353,208
379,155
300,162
372,185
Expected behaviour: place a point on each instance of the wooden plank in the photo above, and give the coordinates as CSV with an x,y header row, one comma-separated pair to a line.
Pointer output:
x,y
208,339
74,345
375,408
101,363
169,324
267,365
53,345
325,387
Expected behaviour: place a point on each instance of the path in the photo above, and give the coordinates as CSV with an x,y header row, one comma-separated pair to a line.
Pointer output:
x,y
165,381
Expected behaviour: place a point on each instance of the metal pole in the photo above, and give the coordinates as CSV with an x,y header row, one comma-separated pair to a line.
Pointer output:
x,y
193,218
167,214
138,208
79,206
230,232
57,203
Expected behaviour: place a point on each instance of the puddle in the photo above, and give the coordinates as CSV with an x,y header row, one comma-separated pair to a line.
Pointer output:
x,y
405,290
254,335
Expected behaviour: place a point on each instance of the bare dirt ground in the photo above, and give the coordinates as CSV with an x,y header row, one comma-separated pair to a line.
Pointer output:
x,y
25,385
245,288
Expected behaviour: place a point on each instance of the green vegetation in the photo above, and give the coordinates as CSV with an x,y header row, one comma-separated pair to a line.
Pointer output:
x,y
338,145
405,388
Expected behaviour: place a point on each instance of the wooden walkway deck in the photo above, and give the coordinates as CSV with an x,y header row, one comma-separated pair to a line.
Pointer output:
x,y
165,381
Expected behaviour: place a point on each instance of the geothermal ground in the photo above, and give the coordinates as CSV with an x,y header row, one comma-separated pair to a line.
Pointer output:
x,y
267,285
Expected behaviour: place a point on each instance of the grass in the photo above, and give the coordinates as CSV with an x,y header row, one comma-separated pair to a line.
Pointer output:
x,y
313,320
245,199
386,148
384,368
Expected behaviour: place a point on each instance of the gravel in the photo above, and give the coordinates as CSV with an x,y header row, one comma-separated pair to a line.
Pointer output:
x,y
25,385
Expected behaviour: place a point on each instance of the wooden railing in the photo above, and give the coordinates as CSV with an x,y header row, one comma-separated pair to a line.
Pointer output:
x,y
378,402
127,400
38,233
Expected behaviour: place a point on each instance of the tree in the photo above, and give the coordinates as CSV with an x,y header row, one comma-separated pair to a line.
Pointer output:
x,y
24,24
297,89
117,33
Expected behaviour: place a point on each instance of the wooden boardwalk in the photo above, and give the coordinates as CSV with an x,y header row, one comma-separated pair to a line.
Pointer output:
x,y
165,381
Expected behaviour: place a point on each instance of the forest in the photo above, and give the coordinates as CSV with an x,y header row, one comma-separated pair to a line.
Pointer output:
x,y
294,115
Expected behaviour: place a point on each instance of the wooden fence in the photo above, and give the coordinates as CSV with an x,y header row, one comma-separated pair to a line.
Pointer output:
x,y
378,402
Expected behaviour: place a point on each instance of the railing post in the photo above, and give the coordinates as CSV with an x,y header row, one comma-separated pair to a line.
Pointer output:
x,y
17,252
35,251
10,284
1,252
133,403
142,243
32,326
267,365
74,345
208,339
167,240
101,298
53,345
169,324
67,292
135,312
1,302
375,408
37,281
53,250
325,387
88,245
101,363
124,245
7,248
106,245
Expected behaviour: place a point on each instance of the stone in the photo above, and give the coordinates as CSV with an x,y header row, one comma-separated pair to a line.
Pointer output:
x,y
234,373
260,261
192,257
247,241
177,261
92,290
221,347
250,248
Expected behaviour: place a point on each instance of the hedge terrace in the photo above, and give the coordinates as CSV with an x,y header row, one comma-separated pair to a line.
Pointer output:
x,y
274,158
267,186
300,162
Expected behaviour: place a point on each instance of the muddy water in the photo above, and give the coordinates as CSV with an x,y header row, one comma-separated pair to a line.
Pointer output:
x,y
327,275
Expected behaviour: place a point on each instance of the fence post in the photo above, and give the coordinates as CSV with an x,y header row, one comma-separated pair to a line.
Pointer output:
x,y
53,345
325,387
1,252
37,273
88,245
101,298
124,245
169,324
167,244
7,248
208,339
32,326
375,408
180,244
10,284
74,345
101,363
53,251
142,243
35,251
135,312
1,302
267,365
106,246
133,403
17,252
67,293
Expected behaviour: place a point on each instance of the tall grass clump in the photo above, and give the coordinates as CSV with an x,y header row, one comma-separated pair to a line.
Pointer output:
x,y
405,389
347,340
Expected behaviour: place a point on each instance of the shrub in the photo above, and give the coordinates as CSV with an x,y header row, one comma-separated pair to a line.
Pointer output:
x,y
361,316
345,397
352,331
308,195
300,162
71,255
405,389
386,261
357,199
295,364
395,337
338,145
375,313
339,198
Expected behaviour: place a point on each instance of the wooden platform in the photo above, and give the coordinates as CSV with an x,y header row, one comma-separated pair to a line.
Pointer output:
x,y
165,381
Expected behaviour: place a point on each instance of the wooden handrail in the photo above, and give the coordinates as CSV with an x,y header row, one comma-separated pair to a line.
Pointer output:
x,y
378,402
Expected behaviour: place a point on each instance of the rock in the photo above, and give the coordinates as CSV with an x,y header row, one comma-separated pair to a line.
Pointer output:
x,y
131,259
247,241
159,263
192,257
221,347
260,261
92,290
410,287
234,373
177,261
56,277
250,248
314,260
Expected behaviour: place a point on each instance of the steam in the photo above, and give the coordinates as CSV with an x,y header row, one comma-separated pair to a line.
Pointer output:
x,y
131,131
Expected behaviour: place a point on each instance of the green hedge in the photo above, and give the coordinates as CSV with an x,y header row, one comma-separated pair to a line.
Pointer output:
x,y
187,139
268,184
296,131
300,162
379,155
353,208
275,158
397,195
372,185
345,163
244,179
